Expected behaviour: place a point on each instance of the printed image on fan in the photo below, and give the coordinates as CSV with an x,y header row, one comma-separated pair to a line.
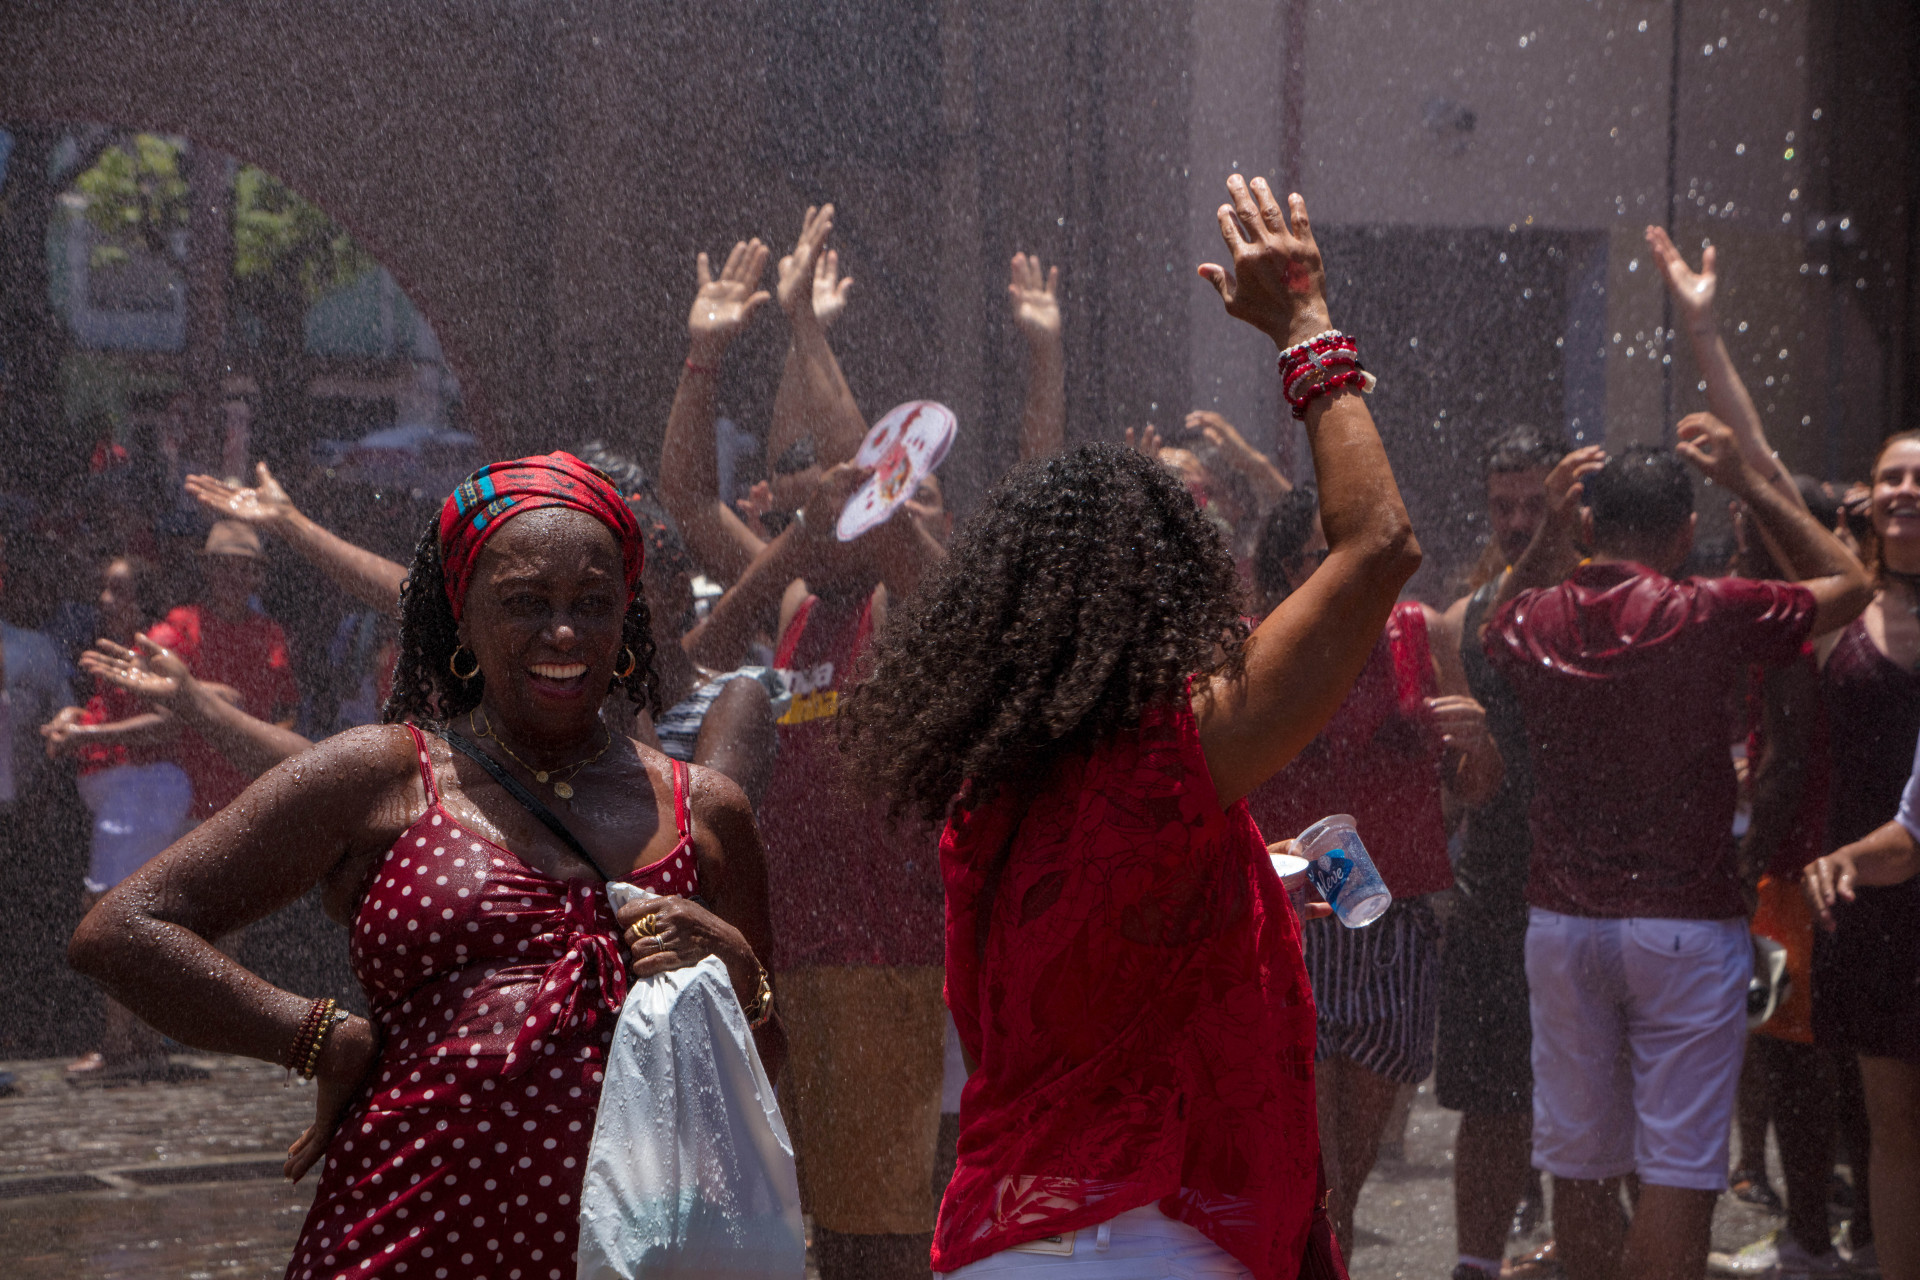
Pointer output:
x,y
903,448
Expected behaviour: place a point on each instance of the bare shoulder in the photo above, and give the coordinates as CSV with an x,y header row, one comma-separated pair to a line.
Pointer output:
x,y
721,807
742,695
356,762
1456,615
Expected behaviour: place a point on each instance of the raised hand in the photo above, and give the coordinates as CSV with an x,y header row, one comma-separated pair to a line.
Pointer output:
x,y
1563,482
1709,444
1148,441
266,503
1278,283
153,673
724,304
796,284
829,288
1692,290
1034,295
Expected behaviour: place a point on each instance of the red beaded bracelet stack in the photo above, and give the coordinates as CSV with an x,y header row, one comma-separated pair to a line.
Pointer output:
x,y
1319,366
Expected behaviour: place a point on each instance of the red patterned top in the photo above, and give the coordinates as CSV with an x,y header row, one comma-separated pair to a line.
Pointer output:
x,y
496,988
1139,1009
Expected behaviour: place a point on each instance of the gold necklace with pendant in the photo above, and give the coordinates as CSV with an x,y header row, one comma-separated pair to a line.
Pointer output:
x,y
562,786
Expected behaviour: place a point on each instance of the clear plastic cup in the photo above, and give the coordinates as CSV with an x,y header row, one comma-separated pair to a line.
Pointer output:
x,y
1293,877
1338,865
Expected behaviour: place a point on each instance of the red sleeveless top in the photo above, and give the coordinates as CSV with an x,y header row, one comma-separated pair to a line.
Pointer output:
x,y
1139,1009
846,886
496,988
1378,759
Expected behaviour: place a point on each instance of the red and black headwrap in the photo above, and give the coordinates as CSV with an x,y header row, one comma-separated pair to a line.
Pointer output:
x,y
499,491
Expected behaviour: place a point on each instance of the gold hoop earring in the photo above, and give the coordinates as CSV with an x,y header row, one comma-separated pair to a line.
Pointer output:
x,y
453,664
632,662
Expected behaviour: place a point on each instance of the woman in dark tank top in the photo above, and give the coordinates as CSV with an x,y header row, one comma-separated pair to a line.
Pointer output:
x,y
1866,972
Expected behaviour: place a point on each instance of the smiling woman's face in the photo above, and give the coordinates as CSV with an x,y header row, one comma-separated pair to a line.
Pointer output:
x,y
1896,492
543,616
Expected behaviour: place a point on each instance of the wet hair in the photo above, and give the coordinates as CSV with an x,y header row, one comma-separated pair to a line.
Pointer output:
x,y
666,549
1087,589
1285,532
1641,492
796,457
1523,448
425,690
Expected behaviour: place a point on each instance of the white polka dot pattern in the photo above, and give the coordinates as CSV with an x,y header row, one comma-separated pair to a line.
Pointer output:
x,y
466,1156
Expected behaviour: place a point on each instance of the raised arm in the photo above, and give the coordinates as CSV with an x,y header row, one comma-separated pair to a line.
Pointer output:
x,y
721,542
805,549
1555,549
1036,313
813,401
1809,554
157,674
1692,293
1302,660
1268,482
372,579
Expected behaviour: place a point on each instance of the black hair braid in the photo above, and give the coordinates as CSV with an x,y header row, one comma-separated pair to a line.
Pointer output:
x,y
425,689
1087,589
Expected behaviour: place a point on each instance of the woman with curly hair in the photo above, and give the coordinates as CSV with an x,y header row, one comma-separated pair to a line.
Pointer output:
x,y
1076,695
465,843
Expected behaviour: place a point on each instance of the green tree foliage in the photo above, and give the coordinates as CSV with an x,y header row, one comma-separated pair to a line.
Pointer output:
x,y
136,196
281,239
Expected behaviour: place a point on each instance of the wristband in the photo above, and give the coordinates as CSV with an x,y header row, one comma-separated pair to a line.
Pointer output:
x,y
701,368
1327,362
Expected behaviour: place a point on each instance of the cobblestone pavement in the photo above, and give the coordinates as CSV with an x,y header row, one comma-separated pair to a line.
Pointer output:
x,y
181,1182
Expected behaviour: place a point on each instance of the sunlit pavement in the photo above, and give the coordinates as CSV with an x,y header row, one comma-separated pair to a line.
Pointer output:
x,y
181,1182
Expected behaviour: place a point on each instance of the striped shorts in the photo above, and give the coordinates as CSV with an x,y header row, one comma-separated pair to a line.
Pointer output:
x,y
1377,990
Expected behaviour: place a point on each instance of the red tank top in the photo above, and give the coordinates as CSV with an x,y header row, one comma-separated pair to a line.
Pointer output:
x,y
1125,967
847,887
1379,760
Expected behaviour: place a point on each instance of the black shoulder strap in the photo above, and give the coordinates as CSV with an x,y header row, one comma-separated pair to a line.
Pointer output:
x,y
548,818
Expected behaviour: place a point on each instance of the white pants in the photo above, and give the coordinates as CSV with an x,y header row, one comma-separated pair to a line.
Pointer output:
x,y
1140,1244
138,810
1639,1027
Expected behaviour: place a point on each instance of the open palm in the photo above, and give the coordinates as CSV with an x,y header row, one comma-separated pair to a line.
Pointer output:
x,y
724,304
1692,290
265,503
1034,293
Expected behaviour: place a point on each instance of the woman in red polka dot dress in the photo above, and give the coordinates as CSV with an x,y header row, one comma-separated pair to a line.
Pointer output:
x,y
455,1122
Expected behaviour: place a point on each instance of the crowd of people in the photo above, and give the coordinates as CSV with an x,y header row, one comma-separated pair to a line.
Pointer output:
x,y
978,818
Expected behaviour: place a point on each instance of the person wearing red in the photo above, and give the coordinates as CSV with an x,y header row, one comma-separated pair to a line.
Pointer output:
x,y
1638,957
1407,729
139,801
1076,694
225,641
455,1125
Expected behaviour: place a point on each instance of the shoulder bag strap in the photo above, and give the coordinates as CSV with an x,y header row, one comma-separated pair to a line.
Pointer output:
x,y
531,802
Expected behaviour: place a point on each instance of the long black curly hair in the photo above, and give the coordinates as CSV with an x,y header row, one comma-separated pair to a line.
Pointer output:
x,y
1087,589
425,689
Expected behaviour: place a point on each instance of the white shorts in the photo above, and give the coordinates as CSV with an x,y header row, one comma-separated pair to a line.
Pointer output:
x,y
1639,1026
1140,1244
138,810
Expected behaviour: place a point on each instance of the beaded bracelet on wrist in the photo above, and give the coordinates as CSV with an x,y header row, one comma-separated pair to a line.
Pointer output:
x,y
1327,362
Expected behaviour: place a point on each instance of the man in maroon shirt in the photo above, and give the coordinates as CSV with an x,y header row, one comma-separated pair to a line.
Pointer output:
x,y
1637,949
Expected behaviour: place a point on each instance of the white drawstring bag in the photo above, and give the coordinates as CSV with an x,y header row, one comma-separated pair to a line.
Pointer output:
x,y
690,1173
